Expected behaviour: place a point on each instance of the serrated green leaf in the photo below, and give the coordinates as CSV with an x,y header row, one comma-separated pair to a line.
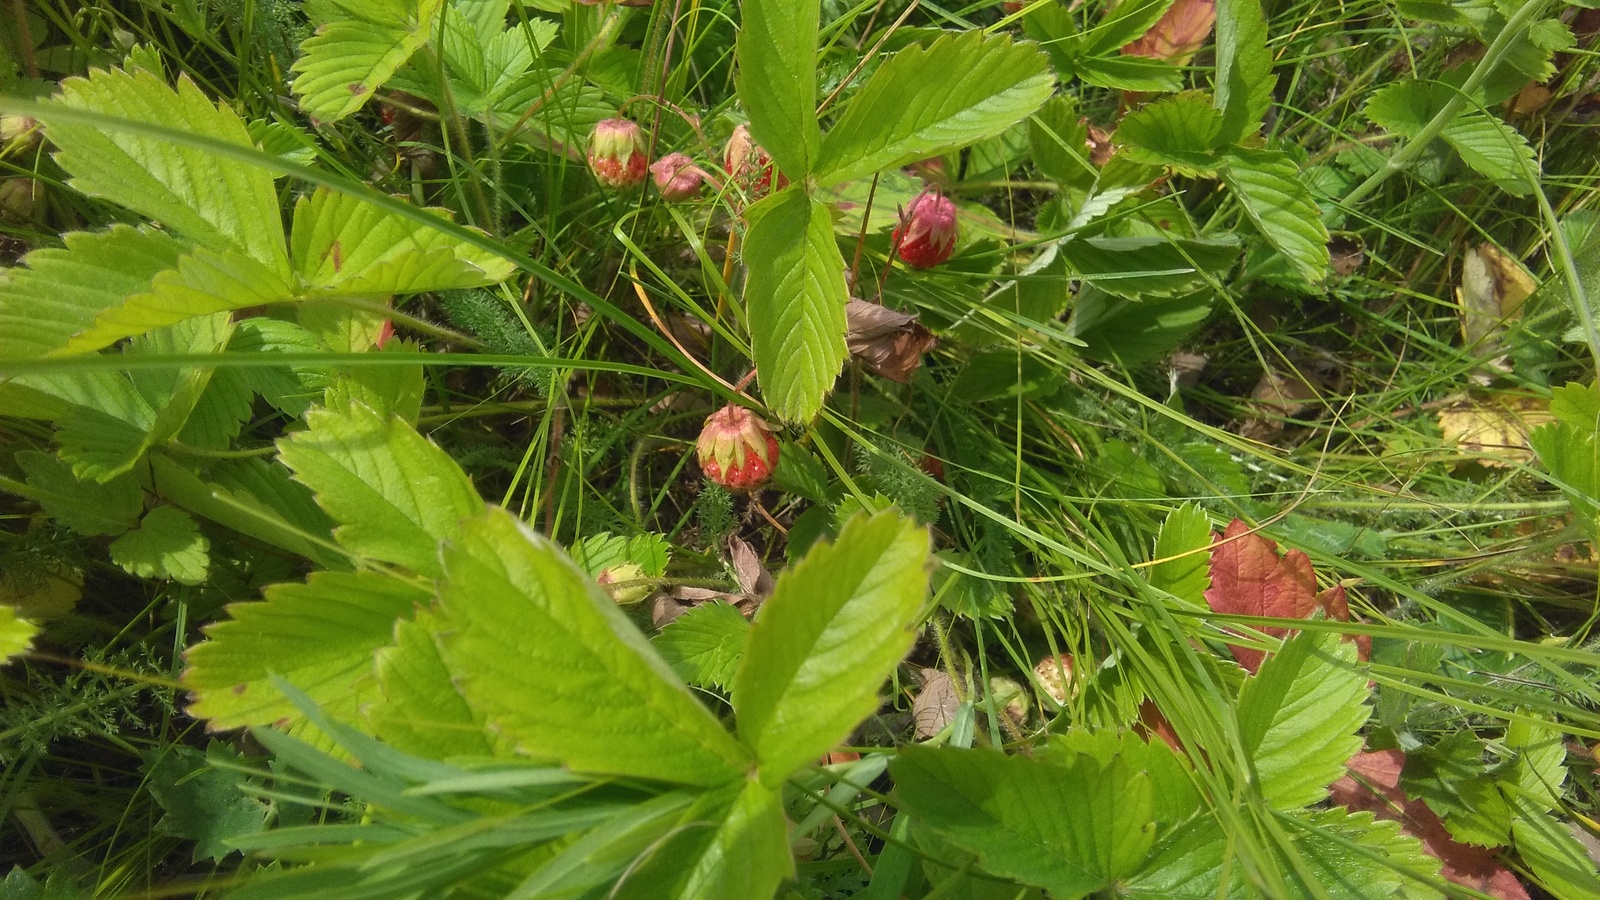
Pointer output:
x,y
777,79
202,283
115,416
1070,829
1563,865
394,493
203,803
1405,107
16,635
604,853
225,405
1182,555
319,635
749,853
1299,716
1092,56
218,203
347,60
1190,863
823,643
89,508
58,292
1244,68
1384,861
1267,184
345,246
167,544
1183,132
556,667
1494,150
796,294
705,644
1539,771
961,89
1058,139
419,710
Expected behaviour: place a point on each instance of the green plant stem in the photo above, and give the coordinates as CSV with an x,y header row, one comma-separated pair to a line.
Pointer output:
x,y
1492,57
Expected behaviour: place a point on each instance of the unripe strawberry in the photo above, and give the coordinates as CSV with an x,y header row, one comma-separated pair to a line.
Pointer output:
x,y
1056,678
749,165
617,154
736,449
626,583
677,177
927,232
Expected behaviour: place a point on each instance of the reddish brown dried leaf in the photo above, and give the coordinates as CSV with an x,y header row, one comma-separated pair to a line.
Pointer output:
x,y
1250,577
1374,786
1181,31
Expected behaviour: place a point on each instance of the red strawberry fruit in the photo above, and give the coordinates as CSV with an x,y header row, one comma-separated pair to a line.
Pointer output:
x,y
736,449
927,232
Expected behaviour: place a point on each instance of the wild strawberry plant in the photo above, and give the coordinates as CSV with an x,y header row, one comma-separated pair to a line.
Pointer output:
x,y
357,386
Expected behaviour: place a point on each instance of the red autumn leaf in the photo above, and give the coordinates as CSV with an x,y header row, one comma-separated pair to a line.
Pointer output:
x,y
1374,786
1250,577
1181,31
1151,723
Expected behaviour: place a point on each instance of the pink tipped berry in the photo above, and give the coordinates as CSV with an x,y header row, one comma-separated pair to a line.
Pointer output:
x,y
677,177
750,166
736,449
927,232
616,153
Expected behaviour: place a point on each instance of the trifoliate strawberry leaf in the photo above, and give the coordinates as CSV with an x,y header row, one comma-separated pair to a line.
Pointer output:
x,y
58,292
820,648
89,508
349,58
1190,863
1244,68
705,644
394,493
1267,184
1071,829
217,203
1183,550
796,294
541,651
925,101
777,79
1298,718
345,246
167,544
319,635
16,635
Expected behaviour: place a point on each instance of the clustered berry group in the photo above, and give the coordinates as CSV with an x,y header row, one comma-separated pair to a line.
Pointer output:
x,y
619,158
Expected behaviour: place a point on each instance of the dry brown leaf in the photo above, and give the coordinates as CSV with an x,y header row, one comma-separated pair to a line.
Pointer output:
x,y
1493,289
1181,30
936,704
1346,252
887,342
1290,393
1494,429
754,579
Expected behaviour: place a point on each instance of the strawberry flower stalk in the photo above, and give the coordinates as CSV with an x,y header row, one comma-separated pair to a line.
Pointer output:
x,y
617,153
736,449
926,235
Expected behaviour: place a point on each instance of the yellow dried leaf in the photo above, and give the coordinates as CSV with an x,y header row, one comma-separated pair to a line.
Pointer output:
x,y
1494,429
1493,288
